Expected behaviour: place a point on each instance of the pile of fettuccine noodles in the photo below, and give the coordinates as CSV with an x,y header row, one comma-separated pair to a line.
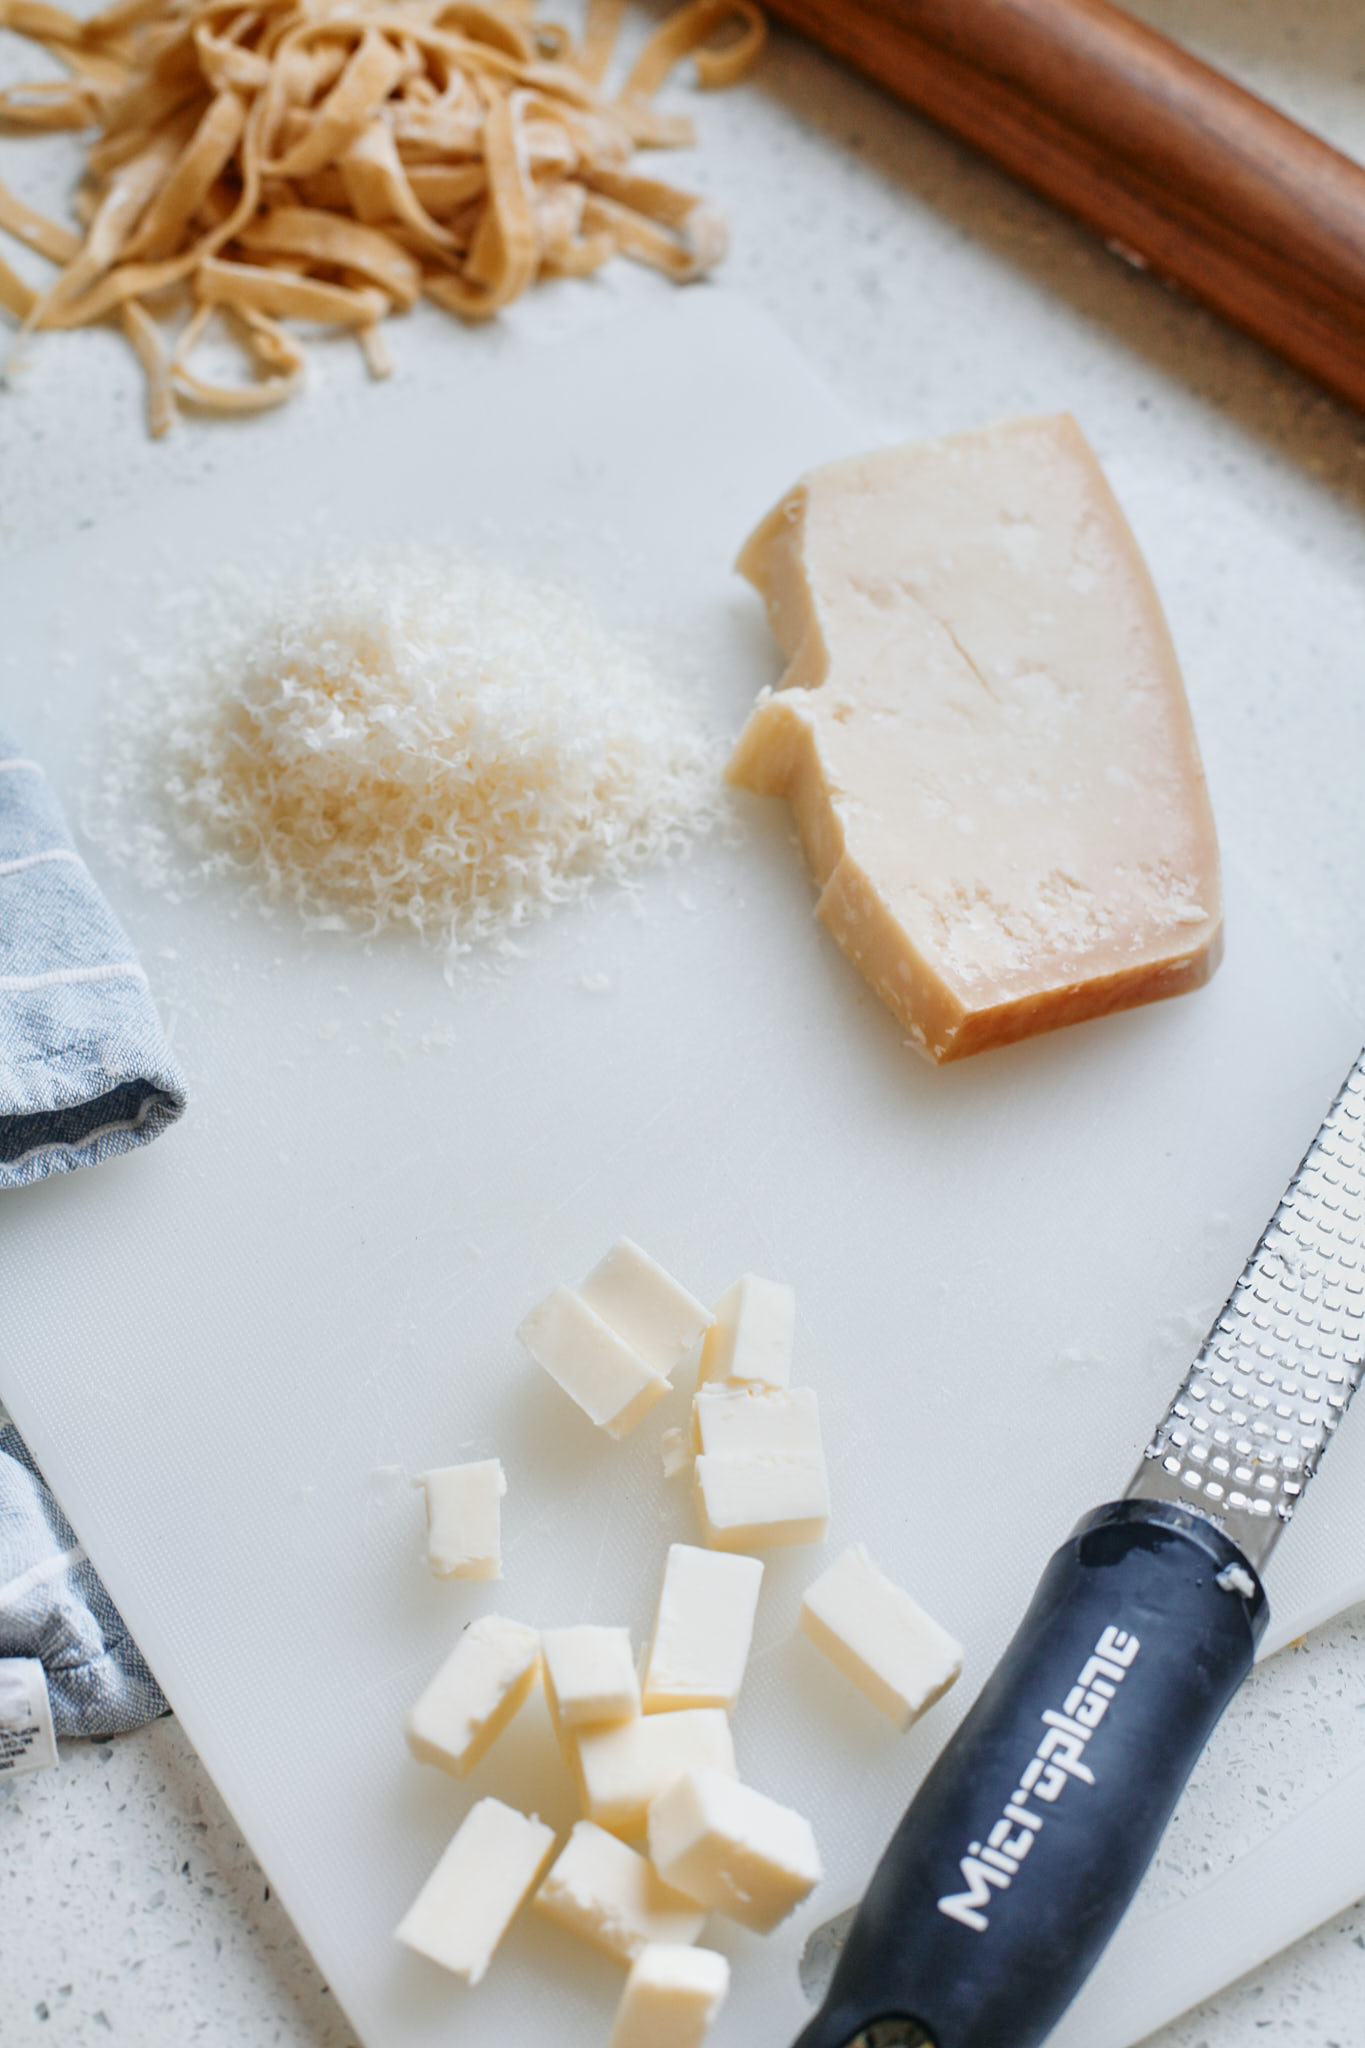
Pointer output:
x,y
256,161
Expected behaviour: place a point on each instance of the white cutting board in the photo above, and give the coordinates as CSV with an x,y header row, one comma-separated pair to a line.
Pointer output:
x,y
215,1347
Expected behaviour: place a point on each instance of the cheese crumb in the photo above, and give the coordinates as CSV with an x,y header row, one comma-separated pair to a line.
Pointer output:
x,y
411,738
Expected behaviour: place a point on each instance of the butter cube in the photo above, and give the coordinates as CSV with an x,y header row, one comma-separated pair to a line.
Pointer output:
x,y
590,1675
621,1768
733,1849
611,1382
466,1905
752,1336
474,1695
646,1307
671,1997
464,1519
609,1894
757,1503
765,1422
702,1630
675,1452
875,1633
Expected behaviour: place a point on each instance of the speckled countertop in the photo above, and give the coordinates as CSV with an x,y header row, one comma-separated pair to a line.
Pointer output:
x,y
129,1905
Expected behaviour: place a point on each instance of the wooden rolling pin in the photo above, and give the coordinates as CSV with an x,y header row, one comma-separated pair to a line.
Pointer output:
x,y
1165,157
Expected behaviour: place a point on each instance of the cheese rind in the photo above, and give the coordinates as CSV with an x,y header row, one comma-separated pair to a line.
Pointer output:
x,y
621,1768
590,1675
984,736
610,1895
733,1849
753,1334
464,1519
609,1380
703,1628
880,1637
646,1307
763,1422
484,1680
752,1502
672,1995
466,1905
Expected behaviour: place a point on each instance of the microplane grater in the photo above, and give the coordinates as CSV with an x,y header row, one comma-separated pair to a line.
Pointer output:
x,y
1259,1406
1021,1850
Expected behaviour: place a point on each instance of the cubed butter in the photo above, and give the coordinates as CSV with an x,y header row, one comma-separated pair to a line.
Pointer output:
x,y
702,1630
464,1519
764,1422
612,1896
757,1503
611,1382
621,1768
474,1695
675,1452
646,1307
753,1333
875,1633
671,1997
590,1675
466,1905
732,1849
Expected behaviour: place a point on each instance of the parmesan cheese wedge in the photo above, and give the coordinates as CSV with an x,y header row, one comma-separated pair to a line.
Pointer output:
x,y
984,736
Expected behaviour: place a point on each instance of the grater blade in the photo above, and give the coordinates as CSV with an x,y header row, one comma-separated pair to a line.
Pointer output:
x,y
1259,1406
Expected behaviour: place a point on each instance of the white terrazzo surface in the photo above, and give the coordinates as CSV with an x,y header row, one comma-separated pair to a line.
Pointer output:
x,y
129,1906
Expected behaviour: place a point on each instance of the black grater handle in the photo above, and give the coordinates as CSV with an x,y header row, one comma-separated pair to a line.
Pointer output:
x,y
1024,1845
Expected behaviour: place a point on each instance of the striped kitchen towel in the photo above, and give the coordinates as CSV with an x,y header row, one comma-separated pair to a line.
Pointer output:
x,y
54,1610
85,1070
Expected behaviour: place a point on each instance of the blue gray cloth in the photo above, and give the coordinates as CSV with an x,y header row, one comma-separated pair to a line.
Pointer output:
x,y
85,1071
85,1074
53,1606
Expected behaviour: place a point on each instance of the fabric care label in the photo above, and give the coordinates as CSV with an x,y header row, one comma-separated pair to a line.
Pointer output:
x,y
27,1741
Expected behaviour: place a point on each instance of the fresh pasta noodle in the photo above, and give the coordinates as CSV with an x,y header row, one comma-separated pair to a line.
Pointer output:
x,y
256,161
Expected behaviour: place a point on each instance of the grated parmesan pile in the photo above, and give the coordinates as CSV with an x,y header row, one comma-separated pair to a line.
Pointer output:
x,y
414,738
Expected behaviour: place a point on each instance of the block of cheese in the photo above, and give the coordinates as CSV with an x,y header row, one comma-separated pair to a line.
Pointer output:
x,y
776,1422
756,1502
876,1633
753,1333
611,1383
474,1695
612,1896
645,1306
590,1675
466,1905
464,1519
702,1629
984,736
622,1767
671,1997
732,1849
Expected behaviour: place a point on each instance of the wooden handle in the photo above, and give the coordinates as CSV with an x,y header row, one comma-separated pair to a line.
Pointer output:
x,y
1160,153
